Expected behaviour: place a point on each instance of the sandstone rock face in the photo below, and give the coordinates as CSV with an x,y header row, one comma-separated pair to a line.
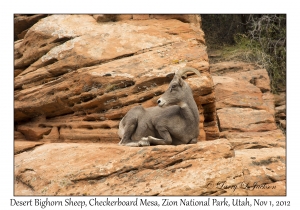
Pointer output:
x,y
207,168
23,22
195,20
256,140
83,75
245,120
232,92
33,133
22,146
280,109
243,99
246,117
280,99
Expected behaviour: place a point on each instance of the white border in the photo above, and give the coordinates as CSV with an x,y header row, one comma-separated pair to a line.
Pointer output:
x,y
153,6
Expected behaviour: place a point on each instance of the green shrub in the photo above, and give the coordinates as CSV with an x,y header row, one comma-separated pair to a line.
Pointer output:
x,y
253,38
268,40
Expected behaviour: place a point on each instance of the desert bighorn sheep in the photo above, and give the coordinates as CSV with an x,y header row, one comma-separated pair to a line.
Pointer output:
x,y
174,121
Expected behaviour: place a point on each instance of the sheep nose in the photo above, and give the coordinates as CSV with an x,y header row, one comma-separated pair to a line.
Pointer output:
x,y
161,102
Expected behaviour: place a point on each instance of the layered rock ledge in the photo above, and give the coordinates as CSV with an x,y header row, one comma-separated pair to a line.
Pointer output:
x,y
97,169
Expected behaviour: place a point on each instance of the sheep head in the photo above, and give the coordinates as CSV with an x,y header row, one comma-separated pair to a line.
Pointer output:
x,y
179,91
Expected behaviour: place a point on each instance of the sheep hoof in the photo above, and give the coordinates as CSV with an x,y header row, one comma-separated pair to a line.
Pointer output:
x,y
132,144
144,139
144,142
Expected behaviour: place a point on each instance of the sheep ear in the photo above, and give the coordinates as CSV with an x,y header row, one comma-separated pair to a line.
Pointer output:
x,y
178,80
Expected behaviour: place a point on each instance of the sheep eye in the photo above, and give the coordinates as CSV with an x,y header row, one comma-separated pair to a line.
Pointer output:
x,y
173,86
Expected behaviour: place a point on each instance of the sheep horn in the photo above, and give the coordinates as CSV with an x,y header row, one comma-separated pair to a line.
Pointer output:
x,y
186,69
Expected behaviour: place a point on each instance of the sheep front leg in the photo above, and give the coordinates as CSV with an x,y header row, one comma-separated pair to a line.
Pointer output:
x,y
166,139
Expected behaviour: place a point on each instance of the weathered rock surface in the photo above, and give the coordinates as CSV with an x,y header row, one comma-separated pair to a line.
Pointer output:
x,y
255,140
232,92
22,146
195,20
280,109
280,99
98,169
245,120
33,133
18,136
244,101
243,71
23,22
